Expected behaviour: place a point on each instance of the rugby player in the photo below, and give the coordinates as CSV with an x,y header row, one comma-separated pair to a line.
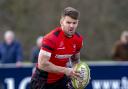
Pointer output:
x,y
59,46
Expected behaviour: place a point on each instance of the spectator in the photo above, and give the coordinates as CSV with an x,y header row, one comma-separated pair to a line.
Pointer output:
x,y
120,50
10,49
36,49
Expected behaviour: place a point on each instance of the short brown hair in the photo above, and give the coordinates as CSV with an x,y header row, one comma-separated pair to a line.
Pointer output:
x,y
71,12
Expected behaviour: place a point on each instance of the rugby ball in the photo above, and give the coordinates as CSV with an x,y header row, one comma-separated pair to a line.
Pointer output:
x,y
82,81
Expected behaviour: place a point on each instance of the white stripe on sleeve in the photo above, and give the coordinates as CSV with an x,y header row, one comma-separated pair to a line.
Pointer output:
x,y
45,53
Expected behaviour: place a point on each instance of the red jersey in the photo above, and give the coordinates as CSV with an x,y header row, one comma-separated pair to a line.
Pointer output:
x,y
61,48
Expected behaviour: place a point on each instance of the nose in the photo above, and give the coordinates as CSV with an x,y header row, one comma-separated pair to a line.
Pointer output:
x,y
71,25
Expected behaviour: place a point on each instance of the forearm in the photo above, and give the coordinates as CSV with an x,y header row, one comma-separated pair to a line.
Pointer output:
x,y
46,65
50,67
75,59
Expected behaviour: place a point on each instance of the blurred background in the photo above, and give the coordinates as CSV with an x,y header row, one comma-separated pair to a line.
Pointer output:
x,y
102,23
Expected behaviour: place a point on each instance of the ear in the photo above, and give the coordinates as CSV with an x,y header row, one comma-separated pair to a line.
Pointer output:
x,y
78,21
61,21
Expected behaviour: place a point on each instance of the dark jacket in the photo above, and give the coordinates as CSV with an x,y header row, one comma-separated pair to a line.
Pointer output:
x,y
34,54
11,53
120,51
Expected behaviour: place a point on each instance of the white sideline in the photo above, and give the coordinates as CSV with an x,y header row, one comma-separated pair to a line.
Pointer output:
x,y
107,63
13,65
91,63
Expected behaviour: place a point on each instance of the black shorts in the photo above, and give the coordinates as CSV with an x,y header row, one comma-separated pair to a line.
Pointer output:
x,y
37,82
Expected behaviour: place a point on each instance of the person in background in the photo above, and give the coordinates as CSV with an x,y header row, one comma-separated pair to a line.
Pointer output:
x,y
10,49
120,49
36,49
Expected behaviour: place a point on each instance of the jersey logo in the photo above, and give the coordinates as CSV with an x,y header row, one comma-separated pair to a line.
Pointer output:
x,y
74,47
61,46
63,56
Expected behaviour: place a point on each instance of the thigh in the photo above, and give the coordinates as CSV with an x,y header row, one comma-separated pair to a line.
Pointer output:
x,y
66,83
37,82
60,84
63,83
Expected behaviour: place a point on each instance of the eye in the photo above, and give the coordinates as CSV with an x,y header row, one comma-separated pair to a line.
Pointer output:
x,y
74,22
69,22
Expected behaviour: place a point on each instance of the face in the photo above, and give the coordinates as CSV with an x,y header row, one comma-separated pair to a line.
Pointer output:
x,y
69,25
39,42
9,37
124,38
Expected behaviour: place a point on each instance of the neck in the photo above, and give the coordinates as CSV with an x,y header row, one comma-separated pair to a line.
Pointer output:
x,y
69,36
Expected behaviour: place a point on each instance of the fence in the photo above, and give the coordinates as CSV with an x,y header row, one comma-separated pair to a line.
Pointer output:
x,y
104,75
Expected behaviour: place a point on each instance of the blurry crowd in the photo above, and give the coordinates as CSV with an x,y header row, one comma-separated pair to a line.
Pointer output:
x,y
11,50
120,48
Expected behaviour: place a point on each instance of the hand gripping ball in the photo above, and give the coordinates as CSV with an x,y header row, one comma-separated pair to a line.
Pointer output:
x,y
82,81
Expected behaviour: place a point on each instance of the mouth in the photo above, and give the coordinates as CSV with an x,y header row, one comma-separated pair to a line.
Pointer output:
x,y
71,30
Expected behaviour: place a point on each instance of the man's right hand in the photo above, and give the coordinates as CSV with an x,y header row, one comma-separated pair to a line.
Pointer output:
x,y
71,73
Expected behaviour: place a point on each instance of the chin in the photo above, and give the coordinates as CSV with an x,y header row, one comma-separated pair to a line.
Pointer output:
x,y
71,35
